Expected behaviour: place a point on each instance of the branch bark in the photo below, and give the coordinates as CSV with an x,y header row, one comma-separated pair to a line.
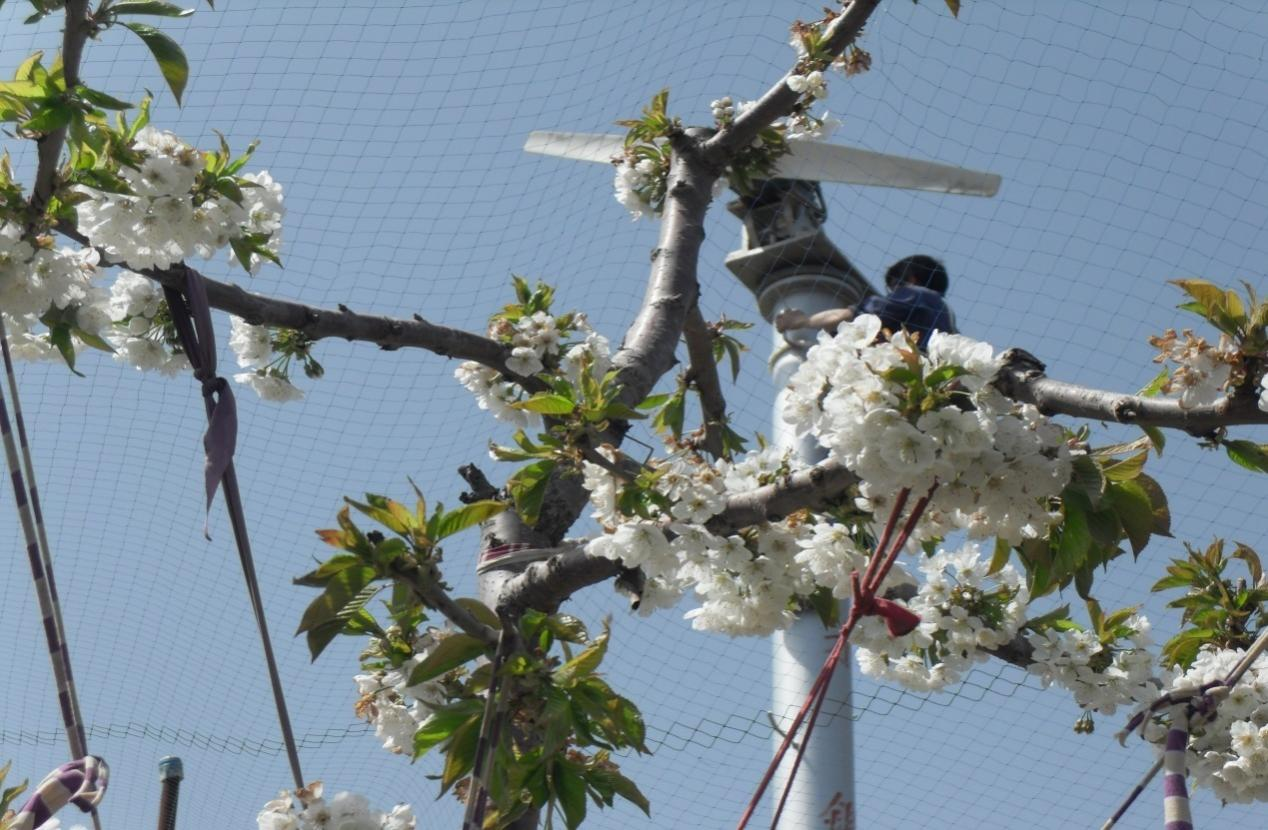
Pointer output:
x,y
704,373
1022,378
49,148
387,333
545,585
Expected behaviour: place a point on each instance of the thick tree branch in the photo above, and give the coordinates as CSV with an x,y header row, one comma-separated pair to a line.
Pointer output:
x,y
648,349
545,585
812,488
49,147
704,374
1022,378
779,100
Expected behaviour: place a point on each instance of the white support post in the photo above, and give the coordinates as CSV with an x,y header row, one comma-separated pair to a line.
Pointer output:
x,y
822,796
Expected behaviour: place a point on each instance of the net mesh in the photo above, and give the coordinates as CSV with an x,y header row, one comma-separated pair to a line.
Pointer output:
x,y
1129,137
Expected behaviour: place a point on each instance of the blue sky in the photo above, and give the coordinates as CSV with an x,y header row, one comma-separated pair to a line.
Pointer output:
x,y
1129,140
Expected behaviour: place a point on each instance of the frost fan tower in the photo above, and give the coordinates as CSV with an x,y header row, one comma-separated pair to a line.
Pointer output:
x,y
788,262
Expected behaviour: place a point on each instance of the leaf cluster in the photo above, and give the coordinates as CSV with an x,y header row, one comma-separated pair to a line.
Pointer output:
x,y
1216,610
565,721
1109,506
351,578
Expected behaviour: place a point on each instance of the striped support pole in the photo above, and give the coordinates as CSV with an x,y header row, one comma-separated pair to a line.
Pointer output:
x,y
1175,795
25,495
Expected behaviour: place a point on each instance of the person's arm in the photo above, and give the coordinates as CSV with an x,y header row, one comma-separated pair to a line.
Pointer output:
x,y
827,320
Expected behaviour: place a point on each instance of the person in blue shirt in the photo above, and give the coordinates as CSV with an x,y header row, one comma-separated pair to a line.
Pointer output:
x,y
915,302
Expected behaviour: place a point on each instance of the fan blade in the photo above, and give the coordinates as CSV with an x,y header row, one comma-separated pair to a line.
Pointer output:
x,y
578,146
818,162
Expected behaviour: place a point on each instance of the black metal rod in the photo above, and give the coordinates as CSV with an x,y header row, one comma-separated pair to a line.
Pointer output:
x,y
170,774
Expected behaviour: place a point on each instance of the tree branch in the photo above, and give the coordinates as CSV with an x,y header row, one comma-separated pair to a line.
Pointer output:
x,y
704,373
647,352
1022,378
49,147
545,585
318,323
812,488
779,100
433,596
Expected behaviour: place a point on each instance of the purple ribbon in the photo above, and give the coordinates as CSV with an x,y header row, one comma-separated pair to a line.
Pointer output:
x,y
191,314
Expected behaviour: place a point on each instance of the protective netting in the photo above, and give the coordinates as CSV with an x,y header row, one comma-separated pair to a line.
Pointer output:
x,y
1129,137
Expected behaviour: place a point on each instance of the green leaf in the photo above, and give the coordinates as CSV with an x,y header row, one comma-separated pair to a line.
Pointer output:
x,y
628,790
1072,548
171,60
49,119
1127,468
1248,555
27,66
1156,438
1135,511
943,374
150,7
1000,557
1162,513
23,89
1154,387
1248,454
570,789
954,6
567,628
1052,619
449,654
456,521
585,663
1208,294
544,403
101,99
1087,477
528,487
480,611
460,756
654,401
341,589
442,723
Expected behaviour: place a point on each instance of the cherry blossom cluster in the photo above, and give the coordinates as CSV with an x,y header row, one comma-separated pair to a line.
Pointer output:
x,y
395,708
167,219
1230,753
539,342
268,353
307,809
141,330
746,582
637,183
900,418
1101,676
36,276
963,610
1202,370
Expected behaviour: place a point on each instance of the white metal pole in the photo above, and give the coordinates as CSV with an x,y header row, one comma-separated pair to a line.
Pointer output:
x,y
822,796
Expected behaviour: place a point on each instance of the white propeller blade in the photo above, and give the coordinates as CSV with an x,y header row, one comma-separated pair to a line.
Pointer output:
x,y
819,162
809,160
578,146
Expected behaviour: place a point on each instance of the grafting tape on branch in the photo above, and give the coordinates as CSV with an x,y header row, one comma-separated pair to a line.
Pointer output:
x,y
516,554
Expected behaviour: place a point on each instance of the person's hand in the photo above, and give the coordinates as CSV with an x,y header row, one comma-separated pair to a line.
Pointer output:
x,y
791,318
